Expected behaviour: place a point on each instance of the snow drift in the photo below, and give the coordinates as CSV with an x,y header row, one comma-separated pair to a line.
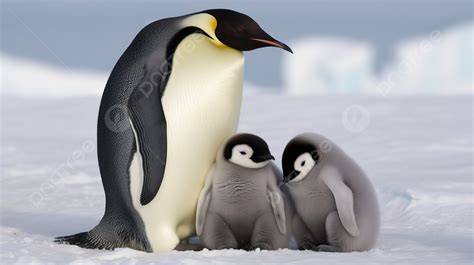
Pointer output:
x,y
27,78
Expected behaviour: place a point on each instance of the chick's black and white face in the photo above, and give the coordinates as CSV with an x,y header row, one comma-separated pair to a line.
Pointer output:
x,y
304,163
242,156
299,158
247,150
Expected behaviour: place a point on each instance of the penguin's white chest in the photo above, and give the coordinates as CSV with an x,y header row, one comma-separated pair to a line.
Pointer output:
x,y
201,104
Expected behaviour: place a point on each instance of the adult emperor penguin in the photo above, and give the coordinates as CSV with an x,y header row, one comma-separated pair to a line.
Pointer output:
x,y
336,205
241,205
172,98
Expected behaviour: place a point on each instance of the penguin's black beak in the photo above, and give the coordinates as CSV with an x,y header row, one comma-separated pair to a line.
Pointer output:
x,y
274,43
263,158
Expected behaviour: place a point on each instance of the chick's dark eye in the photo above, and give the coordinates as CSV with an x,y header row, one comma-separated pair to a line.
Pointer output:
x,y
243,152
303,163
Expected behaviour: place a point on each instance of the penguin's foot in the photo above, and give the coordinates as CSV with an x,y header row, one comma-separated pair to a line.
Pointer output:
x,y
188,247
108,236
327,248
307,245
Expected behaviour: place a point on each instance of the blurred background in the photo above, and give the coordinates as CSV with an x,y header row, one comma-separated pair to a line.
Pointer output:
x,y
380,47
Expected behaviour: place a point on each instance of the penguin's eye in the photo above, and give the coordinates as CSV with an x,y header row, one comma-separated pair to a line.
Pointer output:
x,y
243,152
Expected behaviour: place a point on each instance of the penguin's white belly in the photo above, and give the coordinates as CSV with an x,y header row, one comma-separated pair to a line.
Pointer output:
x,y
202,107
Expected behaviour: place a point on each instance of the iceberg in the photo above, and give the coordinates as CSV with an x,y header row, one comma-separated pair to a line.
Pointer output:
x,y
328,65
439,63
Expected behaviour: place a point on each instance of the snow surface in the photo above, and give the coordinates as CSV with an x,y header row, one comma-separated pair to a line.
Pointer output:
x,y
416,149
440,62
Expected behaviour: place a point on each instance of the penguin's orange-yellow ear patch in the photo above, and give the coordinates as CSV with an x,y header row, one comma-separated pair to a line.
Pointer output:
x,y
214,24
206,23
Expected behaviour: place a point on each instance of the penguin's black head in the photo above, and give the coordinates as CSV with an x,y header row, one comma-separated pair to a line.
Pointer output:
x,y
241,32
247,150
298,159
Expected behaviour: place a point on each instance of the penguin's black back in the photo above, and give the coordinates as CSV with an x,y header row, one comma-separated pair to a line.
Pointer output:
x,y
121,225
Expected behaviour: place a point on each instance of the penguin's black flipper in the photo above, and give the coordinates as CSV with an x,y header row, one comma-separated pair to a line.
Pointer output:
x,y
149,123
147,115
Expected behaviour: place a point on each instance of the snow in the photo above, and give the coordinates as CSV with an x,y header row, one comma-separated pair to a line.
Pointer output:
x,y
416,149
440,62
25,77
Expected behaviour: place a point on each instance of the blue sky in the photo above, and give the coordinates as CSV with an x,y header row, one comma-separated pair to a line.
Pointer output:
x,y
93,34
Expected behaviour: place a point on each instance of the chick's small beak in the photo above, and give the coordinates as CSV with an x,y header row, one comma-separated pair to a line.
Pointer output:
x,y
274,43
290,176
263,158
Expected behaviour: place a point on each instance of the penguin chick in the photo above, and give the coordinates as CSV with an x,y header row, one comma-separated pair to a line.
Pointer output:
x,y
336,207
241,206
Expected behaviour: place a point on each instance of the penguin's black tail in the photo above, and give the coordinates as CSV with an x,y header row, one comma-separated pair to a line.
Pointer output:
x,y
83,240
103,237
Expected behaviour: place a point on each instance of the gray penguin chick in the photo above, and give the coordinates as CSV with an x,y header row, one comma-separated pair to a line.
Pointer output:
x,y
336,205
241,206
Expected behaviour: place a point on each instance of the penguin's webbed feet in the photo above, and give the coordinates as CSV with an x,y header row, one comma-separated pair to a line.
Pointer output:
x,y
327,248
307,245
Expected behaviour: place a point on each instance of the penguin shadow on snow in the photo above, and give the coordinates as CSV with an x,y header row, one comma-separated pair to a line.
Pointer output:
x,y
45,224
